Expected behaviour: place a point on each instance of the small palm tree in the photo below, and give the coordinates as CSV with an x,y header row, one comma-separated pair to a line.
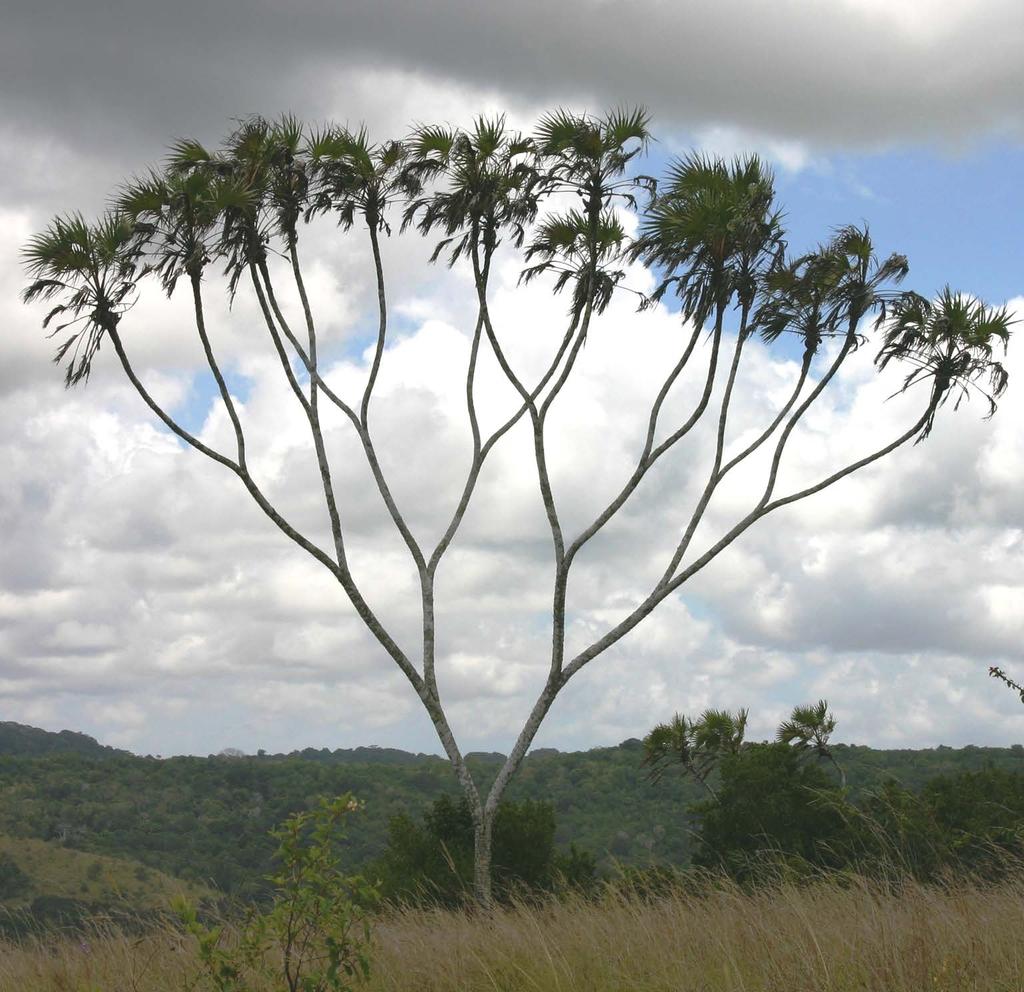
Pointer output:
x,y
351,176
266,159
695,746
590,156
827,292
587,157
719,732
950,343
809,729
179,218
583,254
674,745
487,187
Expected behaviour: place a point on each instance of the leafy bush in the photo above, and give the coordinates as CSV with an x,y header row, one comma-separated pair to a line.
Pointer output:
x,y
775,812
769,802
969,822
315,935
433,861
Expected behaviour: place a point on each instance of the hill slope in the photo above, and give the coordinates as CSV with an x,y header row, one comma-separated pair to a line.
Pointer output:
x,y
207,818
20,739
44,883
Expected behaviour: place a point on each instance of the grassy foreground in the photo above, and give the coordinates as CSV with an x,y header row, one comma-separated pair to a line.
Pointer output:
x,y
821,936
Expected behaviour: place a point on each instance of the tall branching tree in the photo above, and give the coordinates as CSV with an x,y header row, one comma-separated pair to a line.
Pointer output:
x,y
560,197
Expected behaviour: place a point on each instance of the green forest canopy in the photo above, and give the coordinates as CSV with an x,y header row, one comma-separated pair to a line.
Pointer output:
x,y
207,819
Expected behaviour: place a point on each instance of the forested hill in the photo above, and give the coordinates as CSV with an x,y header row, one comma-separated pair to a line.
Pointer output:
x,y
206,819
19,739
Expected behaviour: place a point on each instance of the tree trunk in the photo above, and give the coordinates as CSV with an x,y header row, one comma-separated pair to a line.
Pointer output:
x,y
482,859
483,815
839,768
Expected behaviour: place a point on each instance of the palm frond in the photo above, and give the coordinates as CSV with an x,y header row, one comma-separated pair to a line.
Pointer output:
x,y
185,154
559,130
91,271
627,124
714,232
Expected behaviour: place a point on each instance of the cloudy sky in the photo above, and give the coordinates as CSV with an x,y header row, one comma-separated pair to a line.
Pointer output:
x,y
145,600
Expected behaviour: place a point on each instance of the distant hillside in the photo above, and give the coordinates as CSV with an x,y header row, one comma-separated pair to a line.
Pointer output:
x,y
19,739
44,868
372,755
45,884
206,819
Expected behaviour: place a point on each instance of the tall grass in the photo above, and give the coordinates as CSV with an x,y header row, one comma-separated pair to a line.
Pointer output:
x,y
834,934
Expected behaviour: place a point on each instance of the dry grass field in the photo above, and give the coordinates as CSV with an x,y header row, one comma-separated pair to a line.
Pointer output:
x,y
826,936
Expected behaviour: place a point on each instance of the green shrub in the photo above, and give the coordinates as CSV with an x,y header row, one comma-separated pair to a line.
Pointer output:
x,y
432,861
769,802
315,935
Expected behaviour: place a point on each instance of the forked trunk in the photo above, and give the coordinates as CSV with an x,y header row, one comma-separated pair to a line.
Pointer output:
x,y
484,813
482,860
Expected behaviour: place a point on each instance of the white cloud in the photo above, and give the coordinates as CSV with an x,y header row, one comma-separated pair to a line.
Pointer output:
x,y
728,141
140,577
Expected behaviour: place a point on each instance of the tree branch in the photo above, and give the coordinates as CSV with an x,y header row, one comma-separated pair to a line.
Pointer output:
x,y
197,300
340,572
312,416
819,388
486,447
382,309
362,433
306,545
805,367
311,361
522,744
529,401
648,455
268,301
715,476
764,507
850,469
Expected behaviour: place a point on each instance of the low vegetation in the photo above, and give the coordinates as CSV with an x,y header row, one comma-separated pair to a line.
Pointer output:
x,y
314,934
432,861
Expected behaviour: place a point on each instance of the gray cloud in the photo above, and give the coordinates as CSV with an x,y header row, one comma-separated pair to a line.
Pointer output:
x,y
113,81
